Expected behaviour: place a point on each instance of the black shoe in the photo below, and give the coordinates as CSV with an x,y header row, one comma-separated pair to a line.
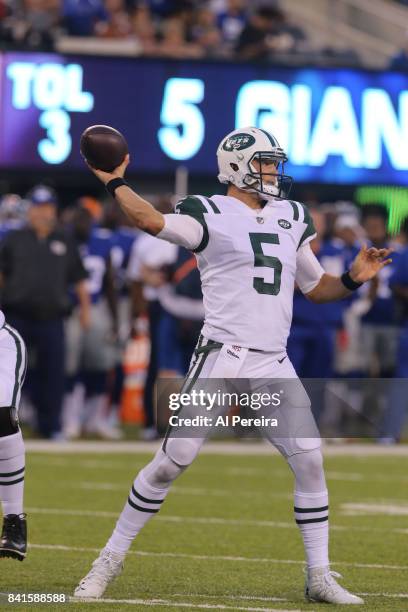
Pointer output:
x,y
13,542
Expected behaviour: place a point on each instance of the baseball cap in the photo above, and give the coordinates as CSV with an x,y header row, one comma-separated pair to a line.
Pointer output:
x,y
41,194
347,222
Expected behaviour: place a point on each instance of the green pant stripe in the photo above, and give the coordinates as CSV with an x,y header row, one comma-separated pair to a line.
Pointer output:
x,y
197,372
185,386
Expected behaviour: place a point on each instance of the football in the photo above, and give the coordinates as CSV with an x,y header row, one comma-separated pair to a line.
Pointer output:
x,y
103,147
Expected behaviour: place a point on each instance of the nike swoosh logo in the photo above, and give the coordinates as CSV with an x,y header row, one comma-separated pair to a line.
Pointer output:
x,y
283,359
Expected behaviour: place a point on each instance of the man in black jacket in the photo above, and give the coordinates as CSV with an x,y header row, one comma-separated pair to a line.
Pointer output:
x,y
38,266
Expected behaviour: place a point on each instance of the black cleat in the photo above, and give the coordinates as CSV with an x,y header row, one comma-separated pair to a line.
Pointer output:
x,y
13,541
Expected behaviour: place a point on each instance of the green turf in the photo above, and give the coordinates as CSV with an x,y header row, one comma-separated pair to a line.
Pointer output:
x,y
237,490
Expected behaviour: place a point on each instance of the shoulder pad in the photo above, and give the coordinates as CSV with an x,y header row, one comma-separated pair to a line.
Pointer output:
x,y
190,205
193,205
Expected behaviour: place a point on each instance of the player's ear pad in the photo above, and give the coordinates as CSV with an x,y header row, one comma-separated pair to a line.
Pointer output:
x,y
8,421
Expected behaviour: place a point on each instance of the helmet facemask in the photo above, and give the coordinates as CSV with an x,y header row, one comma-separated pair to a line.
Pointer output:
x,y
257,180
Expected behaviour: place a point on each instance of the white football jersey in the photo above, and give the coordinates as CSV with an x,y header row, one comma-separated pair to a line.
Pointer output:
x,y
1,319
247,262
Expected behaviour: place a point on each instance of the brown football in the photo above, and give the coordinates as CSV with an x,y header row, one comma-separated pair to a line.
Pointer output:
x,y
103,147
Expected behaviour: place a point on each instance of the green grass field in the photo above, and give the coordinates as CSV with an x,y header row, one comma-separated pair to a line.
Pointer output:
x,y
225,538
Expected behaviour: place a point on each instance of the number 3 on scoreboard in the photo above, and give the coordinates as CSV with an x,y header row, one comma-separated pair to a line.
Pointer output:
x,y
179,110
57,146
266,261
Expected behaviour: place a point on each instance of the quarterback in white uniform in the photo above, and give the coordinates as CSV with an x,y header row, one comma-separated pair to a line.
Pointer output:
x,y
13,363
252,245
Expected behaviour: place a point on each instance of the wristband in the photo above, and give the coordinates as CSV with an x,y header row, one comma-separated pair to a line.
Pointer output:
x,y
348,282
113,184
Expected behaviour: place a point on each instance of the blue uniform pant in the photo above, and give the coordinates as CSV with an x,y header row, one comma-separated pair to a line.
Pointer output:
x,y
311,351
45,343
397,405
154,314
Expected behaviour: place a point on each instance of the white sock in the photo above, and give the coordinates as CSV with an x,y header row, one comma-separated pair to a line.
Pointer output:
x,y
12,466
96,412
73,411
312,517
143,503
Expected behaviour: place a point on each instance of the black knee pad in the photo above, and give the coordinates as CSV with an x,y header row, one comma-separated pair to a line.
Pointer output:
x,y
8,421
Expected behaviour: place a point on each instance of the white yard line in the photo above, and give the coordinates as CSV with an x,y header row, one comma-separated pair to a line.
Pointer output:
x,y
233,597
210,520
198,491
266,599
178,604
211,448
167,518
359,509
239,472
94,485
92,464
391,595
141,553
331,475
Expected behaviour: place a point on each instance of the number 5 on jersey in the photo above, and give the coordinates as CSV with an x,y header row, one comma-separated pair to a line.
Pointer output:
x,y
266,261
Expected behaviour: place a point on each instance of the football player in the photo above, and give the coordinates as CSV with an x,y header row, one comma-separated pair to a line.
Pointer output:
x,y
90,353
13,363
251,246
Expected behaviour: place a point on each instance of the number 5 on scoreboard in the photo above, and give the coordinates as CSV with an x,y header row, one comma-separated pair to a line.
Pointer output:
x,y
183,128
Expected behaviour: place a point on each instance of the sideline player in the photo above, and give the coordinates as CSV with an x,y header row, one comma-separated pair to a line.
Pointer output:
x,y
13,363
251,245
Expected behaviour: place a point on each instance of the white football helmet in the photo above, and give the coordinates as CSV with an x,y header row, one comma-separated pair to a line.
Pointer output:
x,y
238,150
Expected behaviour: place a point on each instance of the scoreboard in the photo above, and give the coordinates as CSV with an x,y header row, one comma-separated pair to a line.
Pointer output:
x,y
337,125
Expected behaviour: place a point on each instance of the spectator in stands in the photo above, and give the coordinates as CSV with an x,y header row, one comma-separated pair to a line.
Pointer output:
x,y
207,35
91,353
256,39
232,21
314,326
173,41
32,24
38,265
268,34
82,16
348,230
163,8
349,237
397,405
379,328
183,314
144,29
4,9
13,213
118,23
185,10
148,261
124,237
400,60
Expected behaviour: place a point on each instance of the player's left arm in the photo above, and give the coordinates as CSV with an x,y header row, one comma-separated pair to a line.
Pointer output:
x,y
365,266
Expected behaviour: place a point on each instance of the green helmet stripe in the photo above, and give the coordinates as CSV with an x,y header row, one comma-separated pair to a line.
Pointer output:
x,y
269,137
